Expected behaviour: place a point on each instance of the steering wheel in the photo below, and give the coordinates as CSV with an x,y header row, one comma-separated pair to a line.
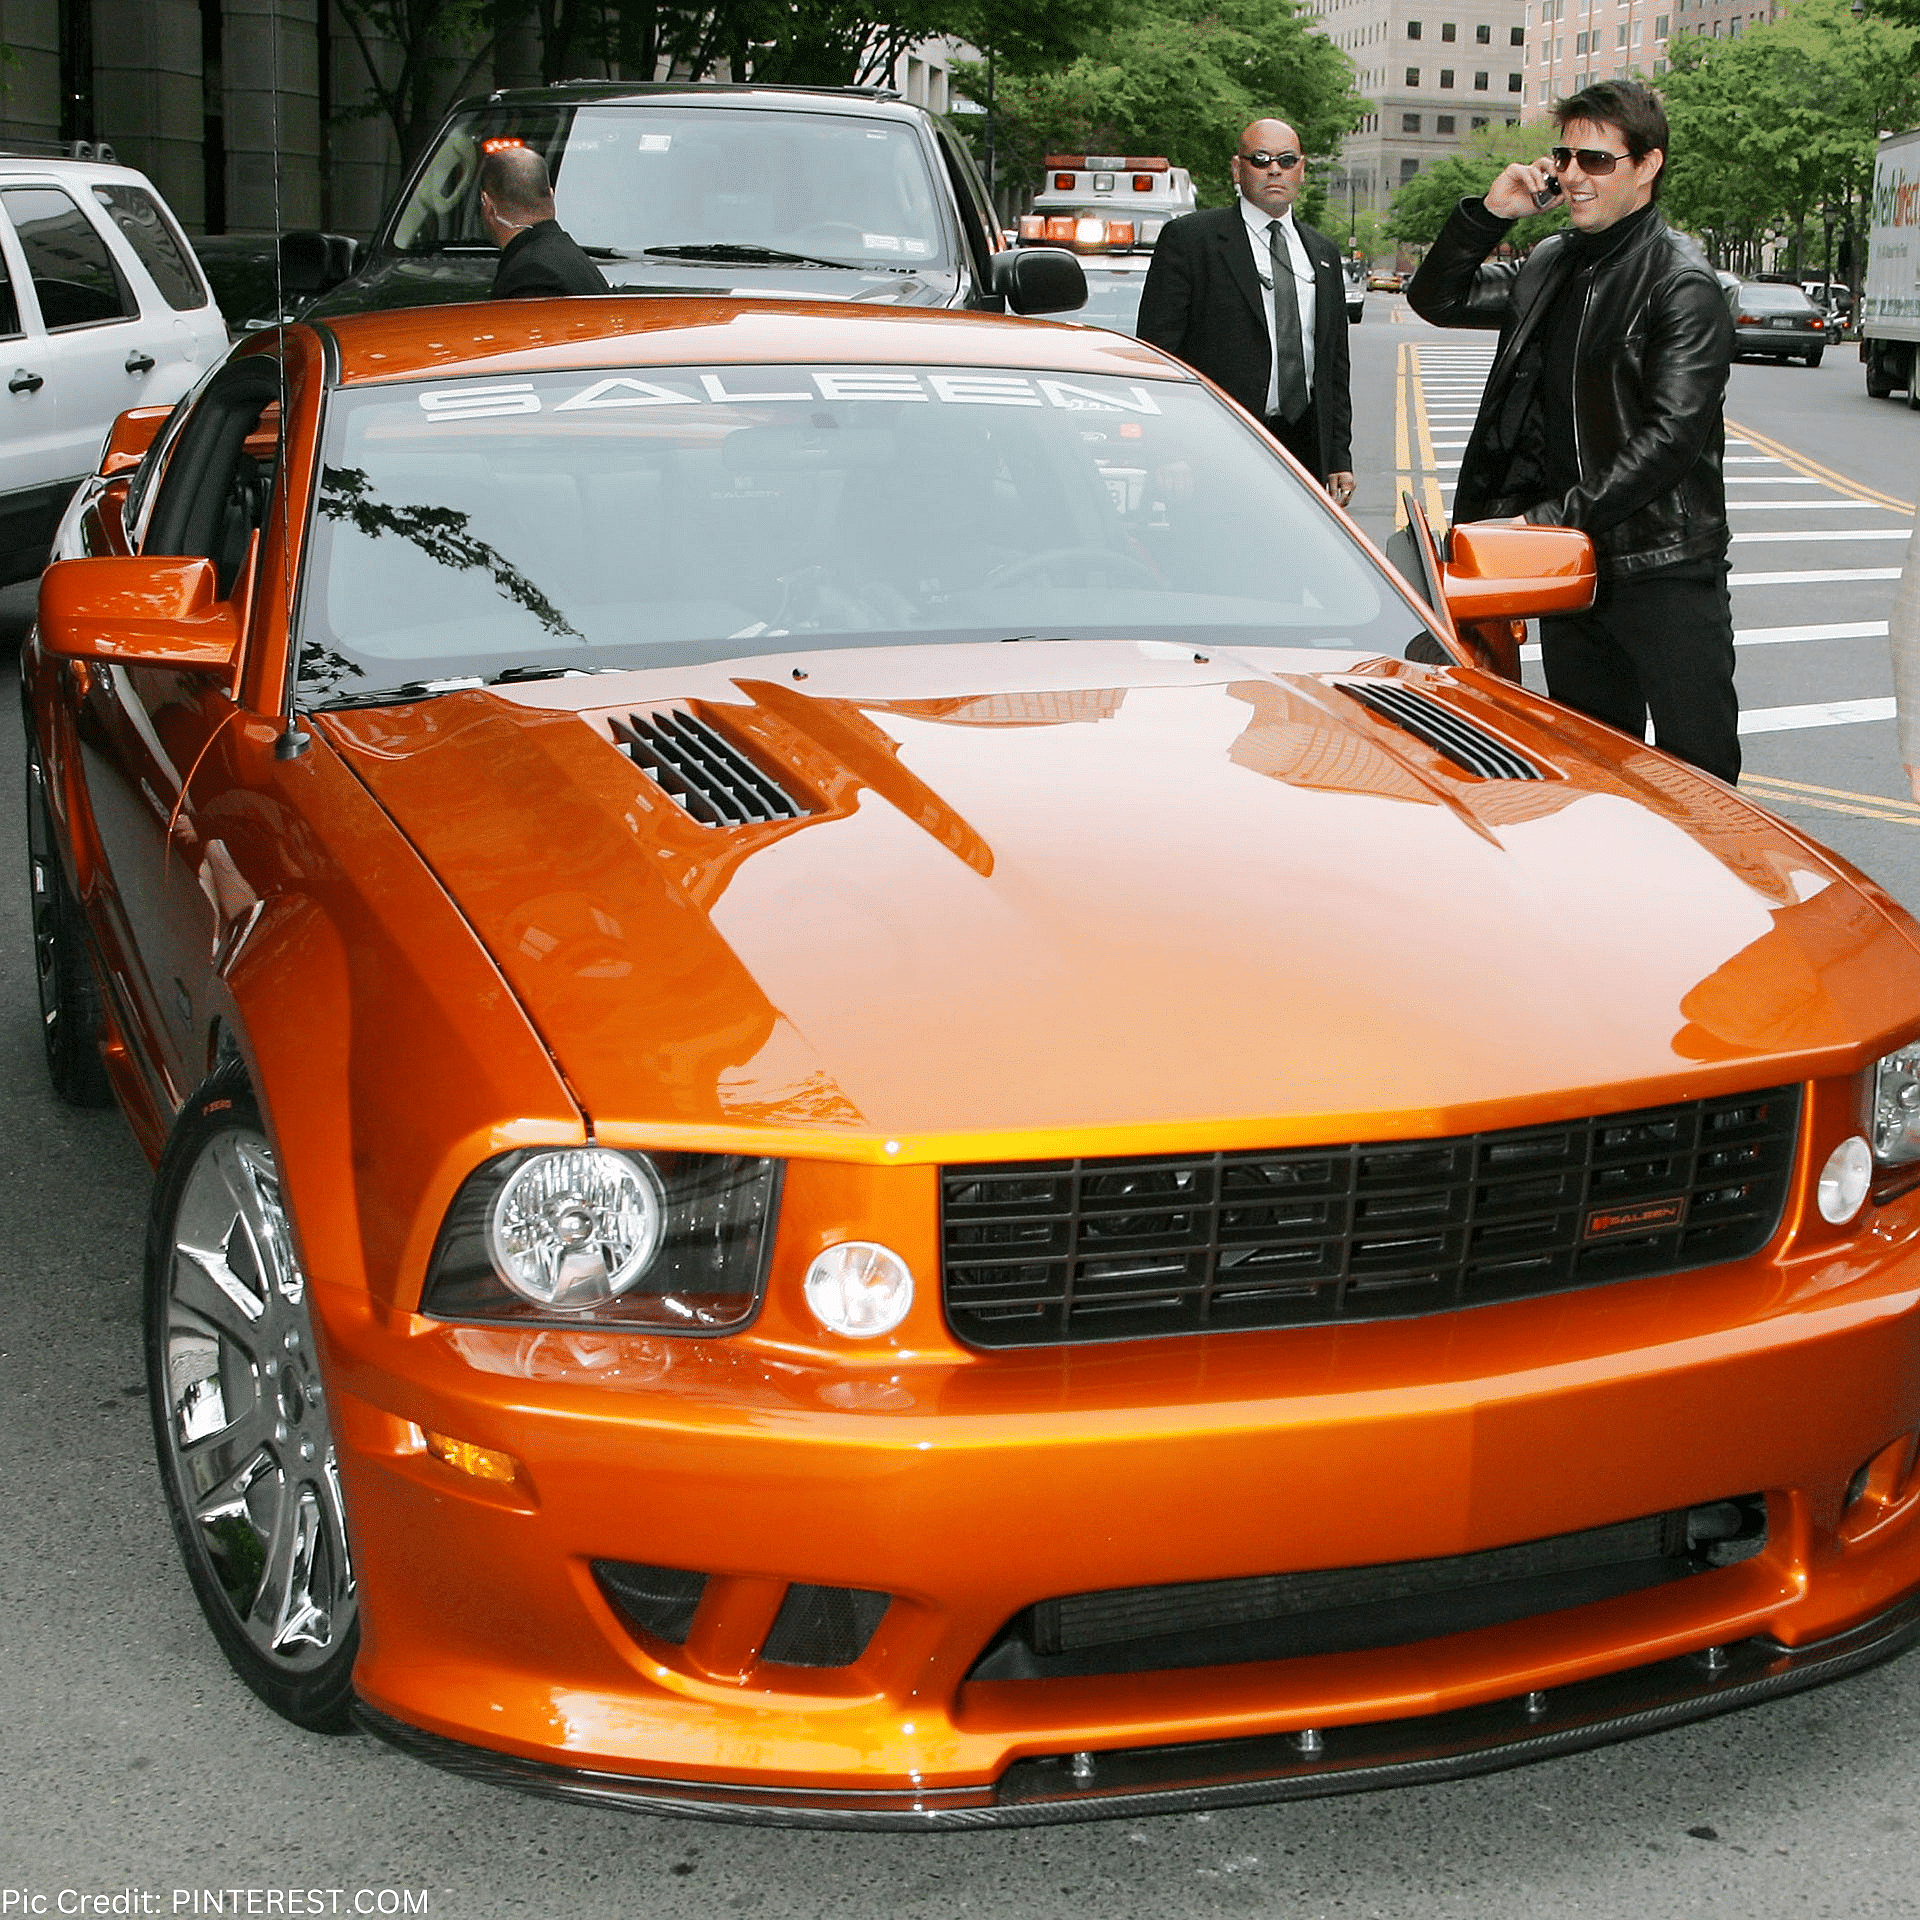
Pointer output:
x,y
1063,556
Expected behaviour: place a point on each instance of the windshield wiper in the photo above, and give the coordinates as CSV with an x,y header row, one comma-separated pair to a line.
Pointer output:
x,y
734,254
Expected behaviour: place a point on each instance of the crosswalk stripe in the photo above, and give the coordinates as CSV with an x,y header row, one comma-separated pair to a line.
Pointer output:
x,y
1817,578
1808,506
1826,533
1780,636
1823,713
1790,457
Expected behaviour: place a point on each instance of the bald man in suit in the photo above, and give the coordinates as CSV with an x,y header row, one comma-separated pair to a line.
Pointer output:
x,y
538,258
1255,300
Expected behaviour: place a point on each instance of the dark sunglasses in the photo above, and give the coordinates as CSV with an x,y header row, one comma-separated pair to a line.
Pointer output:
x,y
1260,157
1592,160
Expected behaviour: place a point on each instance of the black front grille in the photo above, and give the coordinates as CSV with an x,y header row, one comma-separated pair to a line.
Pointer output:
x,y
1444,730
1036,1253
702,769
1288,1616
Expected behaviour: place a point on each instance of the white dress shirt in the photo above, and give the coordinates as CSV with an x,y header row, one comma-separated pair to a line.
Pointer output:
x,y
1258,220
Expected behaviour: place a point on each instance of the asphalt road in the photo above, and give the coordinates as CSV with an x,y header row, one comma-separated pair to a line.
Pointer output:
x,y
132,1763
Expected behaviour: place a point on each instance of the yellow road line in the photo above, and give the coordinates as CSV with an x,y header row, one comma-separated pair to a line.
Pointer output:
x,y
1797,793
1423,439
1792,457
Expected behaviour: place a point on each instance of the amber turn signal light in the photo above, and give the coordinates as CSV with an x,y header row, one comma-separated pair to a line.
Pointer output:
x,y
484,1463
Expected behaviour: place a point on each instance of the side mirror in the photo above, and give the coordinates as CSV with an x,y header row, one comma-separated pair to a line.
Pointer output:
x,y
1040,280
138,613
314,263
129,438
1495,570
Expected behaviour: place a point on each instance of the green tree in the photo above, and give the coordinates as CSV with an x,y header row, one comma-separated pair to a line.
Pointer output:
x,y
1781,125
1421,207
1180,78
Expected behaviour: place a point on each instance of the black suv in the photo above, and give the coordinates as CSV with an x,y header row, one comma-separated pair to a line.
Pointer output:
x,y
846,194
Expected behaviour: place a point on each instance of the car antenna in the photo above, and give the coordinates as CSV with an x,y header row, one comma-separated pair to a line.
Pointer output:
x,y
292,740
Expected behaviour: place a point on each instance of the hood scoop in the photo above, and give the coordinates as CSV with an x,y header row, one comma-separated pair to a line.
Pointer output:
x,y
696,764
1446,731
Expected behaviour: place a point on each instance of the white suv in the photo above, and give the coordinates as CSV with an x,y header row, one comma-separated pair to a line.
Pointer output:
x,y
102,307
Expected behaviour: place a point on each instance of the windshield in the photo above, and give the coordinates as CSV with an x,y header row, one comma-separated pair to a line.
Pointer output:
x,y
630,181
587,520
1758,297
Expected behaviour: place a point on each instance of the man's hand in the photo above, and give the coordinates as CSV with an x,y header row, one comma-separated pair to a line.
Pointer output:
x,y
1511,196
1340,485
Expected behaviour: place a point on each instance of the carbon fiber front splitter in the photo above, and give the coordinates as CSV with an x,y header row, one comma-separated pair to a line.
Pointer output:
x,y
1132,1782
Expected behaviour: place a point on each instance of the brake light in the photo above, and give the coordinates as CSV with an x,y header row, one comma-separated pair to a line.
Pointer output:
x,y
1143,183
1749,320
1817,323
499,141
1063,183
1060,228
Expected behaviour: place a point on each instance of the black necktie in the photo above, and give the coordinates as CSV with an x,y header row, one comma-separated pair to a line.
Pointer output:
x,y
1292,362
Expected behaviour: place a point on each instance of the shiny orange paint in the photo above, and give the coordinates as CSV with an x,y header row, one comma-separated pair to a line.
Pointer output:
x,y
129,438
1503,572
157,613
1074,900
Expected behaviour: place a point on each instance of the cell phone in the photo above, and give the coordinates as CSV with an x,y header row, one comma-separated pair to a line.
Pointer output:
x,y
1549,193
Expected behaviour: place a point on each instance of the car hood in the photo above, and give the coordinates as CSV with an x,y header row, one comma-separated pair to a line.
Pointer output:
x,y
440,279
1067,888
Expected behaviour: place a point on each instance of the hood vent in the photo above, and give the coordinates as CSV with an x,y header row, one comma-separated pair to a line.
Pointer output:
x,y
1444,730
697,764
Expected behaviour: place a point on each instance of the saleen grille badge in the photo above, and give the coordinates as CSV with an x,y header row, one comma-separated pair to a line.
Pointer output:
x,y
1603,1223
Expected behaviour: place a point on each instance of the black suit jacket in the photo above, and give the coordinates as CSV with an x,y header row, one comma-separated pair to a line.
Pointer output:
x,y
542,260
1204,303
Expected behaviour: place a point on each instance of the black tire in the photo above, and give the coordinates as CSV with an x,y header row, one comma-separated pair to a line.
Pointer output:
x,y
1813,358
239,1413
72,1023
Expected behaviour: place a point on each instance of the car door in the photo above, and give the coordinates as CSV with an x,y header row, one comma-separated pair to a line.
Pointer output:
x,y
163,894
32,462
90,313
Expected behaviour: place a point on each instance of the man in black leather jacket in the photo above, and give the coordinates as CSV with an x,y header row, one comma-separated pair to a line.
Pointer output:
x,y
1603,411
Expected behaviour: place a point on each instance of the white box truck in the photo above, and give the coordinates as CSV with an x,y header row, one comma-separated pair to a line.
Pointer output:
x,y
1890,300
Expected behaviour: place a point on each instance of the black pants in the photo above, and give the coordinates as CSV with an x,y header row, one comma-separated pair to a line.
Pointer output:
x,y
1661,645
1302,439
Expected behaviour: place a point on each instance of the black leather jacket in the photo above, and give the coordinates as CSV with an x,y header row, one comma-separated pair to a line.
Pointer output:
x,y
1650,374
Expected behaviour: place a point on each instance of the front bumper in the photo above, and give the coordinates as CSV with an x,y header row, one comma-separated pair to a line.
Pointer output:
x,y
961,1489
1234,1773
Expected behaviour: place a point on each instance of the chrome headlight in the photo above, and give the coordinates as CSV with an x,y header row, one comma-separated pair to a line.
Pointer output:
x,y
586,1236
1896,1108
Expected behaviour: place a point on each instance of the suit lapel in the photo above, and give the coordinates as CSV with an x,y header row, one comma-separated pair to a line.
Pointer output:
x,y
1233,243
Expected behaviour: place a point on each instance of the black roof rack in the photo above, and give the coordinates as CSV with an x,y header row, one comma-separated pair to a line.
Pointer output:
x,y
58,150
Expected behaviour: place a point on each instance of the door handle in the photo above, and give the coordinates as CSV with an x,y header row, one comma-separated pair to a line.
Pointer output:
x,y
139,361
25,382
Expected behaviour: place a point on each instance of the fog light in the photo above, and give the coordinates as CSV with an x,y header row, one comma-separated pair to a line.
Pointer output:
x,y
1844,1180
860,1289
464,1457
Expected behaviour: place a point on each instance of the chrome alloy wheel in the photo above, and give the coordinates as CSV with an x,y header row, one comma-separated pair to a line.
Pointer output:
x,y
241,1415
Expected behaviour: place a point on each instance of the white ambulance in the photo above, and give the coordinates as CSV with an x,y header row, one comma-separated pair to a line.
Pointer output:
x,y
1109,209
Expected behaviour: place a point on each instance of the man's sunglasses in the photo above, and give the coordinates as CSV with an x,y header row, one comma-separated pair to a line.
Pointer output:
x,y
1592,160
1260,157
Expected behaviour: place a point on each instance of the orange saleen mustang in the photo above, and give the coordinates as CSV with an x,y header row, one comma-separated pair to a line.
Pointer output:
x,y
870,1113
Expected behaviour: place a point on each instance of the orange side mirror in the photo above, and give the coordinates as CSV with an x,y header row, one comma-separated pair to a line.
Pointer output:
x,y
129,438
1496,570
138,612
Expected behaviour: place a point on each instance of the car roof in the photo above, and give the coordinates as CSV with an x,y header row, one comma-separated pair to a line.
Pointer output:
x,y
881,102
532,336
